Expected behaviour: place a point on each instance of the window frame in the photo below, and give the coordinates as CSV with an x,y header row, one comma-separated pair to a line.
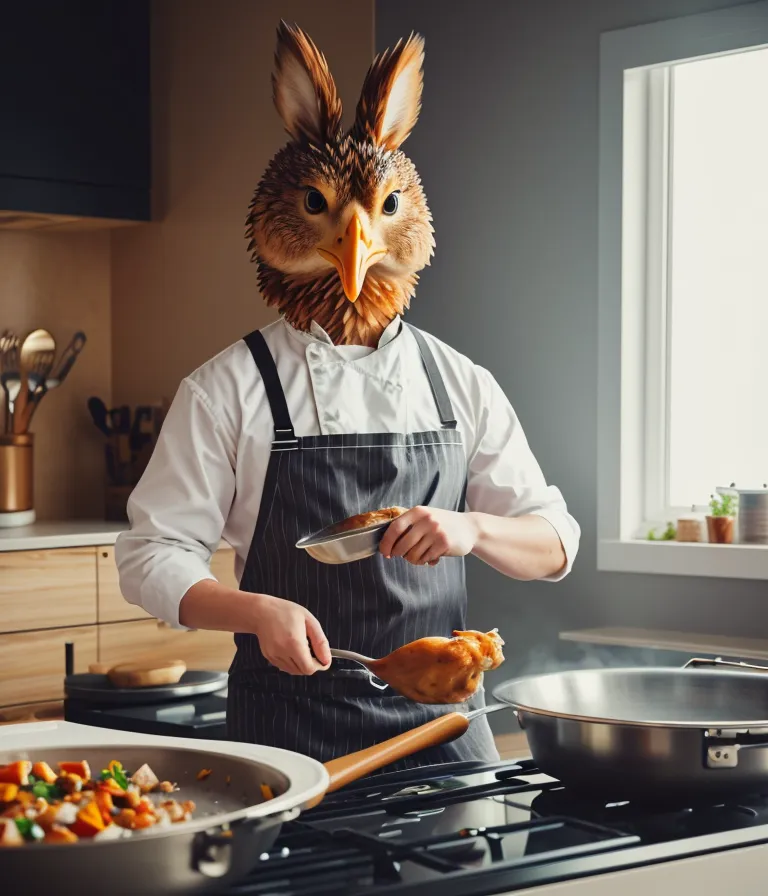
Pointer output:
x,y
636,95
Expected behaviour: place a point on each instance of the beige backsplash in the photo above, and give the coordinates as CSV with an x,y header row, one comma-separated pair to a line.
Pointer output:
x,y
62,282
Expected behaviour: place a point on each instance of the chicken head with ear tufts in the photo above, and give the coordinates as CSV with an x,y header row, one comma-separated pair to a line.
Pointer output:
x,y
339,224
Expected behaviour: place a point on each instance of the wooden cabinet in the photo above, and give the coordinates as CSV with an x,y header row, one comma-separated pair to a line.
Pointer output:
x,y
32,663
75,137
49,597
125,642
46,589
112,606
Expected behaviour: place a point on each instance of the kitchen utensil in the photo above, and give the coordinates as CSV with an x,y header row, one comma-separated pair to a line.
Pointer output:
x,y
120,419
9,374
752,514
38,372
634,733
233,824
94,687
99,415
145,675
328,546
36,355
66,361
141,428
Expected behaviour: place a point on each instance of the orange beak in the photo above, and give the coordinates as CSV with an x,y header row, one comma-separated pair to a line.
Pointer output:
x,y
352,256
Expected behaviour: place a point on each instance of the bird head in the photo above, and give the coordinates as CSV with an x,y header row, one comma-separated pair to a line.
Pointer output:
x,y
339,224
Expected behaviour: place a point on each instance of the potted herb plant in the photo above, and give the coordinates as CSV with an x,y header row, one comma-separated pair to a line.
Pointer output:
x,y
720,519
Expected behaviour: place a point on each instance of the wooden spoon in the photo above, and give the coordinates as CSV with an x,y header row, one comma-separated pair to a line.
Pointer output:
x,y
436,670
36,355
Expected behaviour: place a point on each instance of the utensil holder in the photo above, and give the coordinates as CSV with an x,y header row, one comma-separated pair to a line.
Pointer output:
x,y
17,499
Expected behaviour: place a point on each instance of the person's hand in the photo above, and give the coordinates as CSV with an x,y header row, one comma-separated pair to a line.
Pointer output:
x,y
425,534
285,630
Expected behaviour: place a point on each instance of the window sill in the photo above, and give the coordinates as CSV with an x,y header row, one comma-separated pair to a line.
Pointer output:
x,y
673,558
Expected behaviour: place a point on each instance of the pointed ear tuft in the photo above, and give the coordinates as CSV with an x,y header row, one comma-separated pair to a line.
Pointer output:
x,y
391,97
303,89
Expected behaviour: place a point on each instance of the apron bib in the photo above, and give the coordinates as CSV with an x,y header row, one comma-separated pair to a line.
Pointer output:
x,y
371,606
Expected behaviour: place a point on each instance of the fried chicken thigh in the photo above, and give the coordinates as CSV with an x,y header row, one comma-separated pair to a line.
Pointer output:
x,y
441,670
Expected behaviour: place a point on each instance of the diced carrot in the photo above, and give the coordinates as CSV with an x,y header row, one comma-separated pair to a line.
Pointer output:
x,y
111,786
25,797
47,818
145,820
105,804
8,792
16,773
125,818
89,821
267,792
59,834
144,806
81,769
44,772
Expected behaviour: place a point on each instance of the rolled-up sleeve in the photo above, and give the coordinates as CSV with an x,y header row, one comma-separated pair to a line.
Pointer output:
x,y
178,510
504,477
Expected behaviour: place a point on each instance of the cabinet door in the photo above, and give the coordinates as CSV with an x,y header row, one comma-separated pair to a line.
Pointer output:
x,y
45,589
32,663
127,642
75,103
113,607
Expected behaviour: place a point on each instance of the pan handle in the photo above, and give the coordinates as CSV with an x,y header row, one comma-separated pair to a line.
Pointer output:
x,y
345,769
696,662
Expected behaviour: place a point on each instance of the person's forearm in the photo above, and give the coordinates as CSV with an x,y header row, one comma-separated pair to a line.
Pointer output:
x,y
213,606
525,548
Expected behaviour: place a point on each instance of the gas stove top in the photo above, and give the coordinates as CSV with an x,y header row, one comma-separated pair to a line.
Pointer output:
x,y
478,829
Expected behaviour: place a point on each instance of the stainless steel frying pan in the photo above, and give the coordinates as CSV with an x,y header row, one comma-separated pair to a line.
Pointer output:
x,y
232,826
699,731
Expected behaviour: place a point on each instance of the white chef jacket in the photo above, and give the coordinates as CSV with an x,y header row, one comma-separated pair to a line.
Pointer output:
x,y
205,478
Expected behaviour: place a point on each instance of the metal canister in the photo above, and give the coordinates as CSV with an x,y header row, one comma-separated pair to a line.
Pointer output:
x,y
752,514
16,472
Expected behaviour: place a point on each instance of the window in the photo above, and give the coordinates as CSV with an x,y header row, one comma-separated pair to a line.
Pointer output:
x,y
712,416
683,278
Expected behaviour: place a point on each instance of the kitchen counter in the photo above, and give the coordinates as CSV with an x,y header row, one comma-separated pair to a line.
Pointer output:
x,y
60,534
45,536
694,643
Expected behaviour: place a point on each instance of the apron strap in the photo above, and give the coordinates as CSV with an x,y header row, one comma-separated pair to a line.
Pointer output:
x,y
440,393
285,437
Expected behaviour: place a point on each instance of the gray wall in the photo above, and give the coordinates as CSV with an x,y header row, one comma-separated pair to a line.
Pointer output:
x,y
507,146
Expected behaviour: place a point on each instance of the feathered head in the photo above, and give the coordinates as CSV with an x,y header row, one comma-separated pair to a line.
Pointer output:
x,y
339,224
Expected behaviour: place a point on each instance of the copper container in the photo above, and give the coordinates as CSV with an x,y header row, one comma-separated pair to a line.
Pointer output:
x,y
16,472
720,529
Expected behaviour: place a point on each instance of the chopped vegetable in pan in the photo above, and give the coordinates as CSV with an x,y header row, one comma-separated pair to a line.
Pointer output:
x,y
38,804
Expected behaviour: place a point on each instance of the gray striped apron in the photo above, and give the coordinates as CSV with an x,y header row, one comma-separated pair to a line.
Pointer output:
x,y
371,606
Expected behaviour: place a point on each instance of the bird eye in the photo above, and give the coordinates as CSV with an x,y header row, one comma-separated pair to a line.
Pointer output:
x,y
391,203
314,201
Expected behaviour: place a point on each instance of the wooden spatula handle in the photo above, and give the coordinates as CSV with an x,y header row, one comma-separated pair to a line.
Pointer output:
x,y
350,768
